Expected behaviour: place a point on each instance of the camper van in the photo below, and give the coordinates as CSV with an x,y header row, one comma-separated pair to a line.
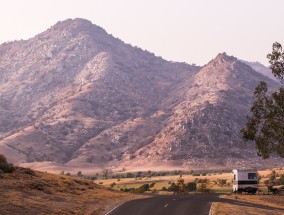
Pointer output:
x,y
245,181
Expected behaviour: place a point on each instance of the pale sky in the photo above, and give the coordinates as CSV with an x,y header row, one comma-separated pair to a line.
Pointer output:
x,y
192,31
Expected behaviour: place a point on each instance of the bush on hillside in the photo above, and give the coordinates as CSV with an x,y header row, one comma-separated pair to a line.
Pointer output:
x,y
4,166
3,159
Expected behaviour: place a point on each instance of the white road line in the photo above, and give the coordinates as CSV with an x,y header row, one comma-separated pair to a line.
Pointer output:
x,y
210,211
166,205
114,208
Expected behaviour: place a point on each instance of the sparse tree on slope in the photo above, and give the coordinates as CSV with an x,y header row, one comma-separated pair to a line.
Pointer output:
x,y
266,124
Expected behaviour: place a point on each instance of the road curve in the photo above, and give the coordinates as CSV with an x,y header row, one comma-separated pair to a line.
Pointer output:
x,y
167,205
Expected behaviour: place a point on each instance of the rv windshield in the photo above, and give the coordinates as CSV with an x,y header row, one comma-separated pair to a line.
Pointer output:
x,y
252,176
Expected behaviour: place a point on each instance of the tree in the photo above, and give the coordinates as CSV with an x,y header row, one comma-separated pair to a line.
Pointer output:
x,y
266,124
272,177
181,185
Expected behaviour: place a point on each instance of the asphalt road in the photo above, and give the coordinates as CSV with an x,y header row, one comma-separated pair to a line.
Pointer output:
x,y
167,205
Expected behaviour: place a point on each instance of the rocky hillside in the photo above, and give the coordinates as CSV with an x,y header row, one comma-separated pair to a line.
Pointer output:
x,y
75,96
261,69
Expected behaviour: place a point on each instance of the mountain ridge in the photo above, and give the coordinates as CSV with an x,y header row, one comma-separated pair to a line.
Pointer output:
x,y
88,99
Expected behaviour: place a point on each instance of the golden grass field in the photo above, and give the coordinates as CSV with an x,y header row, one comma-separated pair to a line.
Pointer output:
x,y
163,181
30,192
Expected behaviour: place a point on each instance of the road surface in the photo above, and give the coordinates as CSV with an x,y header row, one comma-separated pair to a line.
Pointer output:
x,y
167,205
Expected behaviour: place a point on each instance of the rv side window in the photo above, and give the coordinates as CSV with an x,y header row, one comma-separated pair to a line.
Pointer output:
x,y
252,176
234,177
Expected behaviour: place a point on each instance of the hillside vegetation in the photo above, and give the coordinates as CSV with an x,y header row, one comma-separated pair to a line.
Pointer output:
x,y
24,191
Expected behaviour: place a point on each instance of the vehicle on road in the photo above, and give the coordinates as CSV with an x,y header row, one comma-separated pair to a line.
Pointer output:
x,y
245,181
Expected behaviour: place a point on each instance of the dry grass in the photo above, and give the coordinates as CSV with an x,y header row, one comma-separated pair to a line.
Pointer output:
x,y
230,209
274,205
163,181
31,192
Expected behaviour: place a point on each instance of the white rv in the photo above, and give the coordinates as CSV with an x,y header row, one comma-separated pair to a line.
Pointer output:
x,y
245,181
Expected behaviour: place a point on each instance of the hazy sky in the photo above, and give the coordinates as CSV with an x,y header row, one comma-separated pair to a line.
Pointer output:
x,y
193,31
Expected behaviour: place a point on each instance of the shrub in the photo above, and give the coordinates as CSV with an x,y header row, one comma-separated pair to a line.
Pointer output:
x,y
200,180
143,188
7,168
4,166
2,159
152,185
272,177
138,174
281,179
164,189
203,187
221,182
173,187
129,175
191,186
127,189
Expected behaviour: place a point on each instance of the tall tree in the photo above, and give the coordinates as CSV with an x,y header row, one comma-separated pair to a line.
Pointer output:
x,y
265,126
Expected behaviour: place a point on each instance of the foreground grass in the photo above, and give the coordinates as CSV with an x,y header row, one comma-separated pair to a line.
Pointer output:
x,y
30,192
250,205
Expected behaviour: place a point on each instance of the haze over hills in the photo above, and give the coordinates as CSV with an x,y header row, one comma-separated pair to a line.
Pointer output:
x,y
75,96
261,69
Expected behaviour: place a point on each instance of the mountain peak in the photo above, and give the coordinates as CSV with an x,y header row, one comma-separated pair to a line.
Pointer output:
x,y
224,57
77,25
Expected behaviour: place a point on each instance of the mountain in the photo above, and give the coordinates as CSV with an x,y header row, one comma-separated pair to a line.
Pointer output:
x,y
76,97
261,69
